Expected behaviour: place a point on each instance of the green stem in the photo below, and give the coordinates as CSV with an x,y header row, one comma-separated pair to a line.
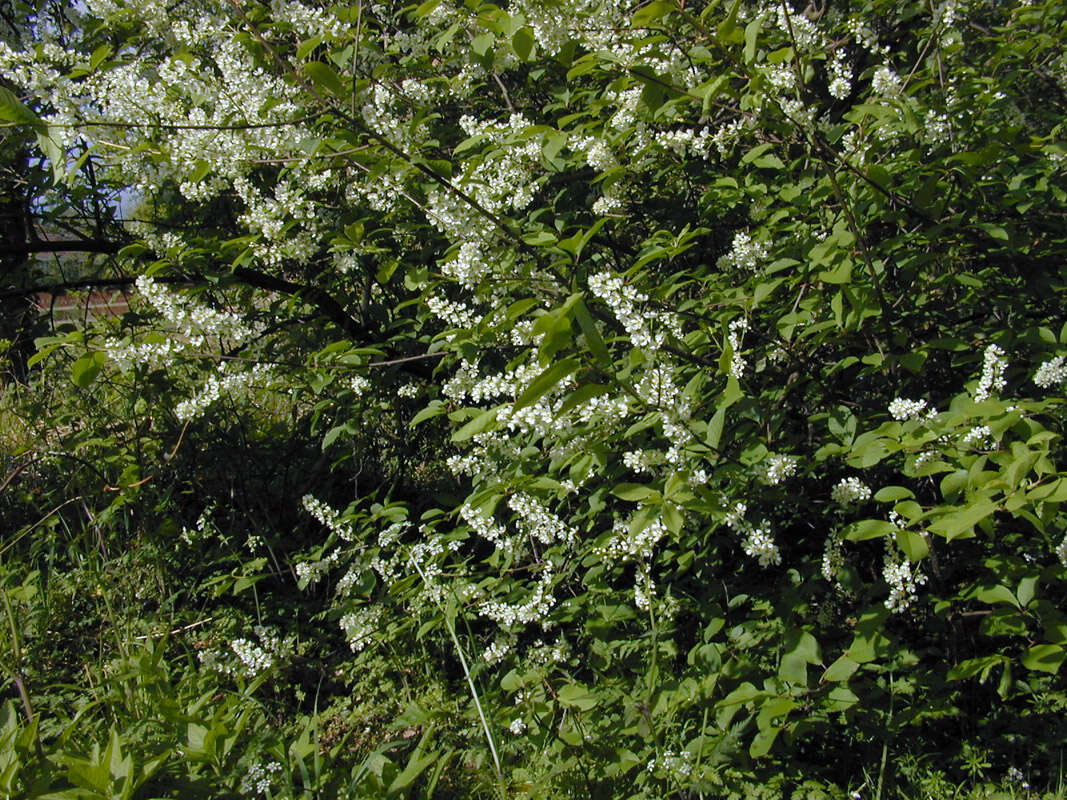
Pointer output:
x,y
467,673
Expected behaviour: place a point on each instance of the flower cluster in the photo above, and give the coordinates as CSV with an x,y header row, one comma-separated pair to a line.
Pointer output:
x,y
259,778
840,78
360,626
745,253
757,540
901,409
994,362
775,468
737,330
849,491
1052,372
247,657
886,82
223,382
517,727
254,657
833,558
903,578
675,764
328,517
641,461
646,329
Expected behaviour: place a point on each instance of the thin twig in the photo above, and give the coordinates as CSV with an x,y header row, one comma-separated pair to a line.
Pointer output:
x,y
176,630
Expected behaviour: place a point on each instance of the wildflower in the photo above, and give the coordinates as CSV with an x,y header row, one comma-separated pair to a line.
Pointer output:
x,y
1051,372
745,253
992,380
849,491
259,777
737,332
886,82
904,580
901,409
775,468
833,558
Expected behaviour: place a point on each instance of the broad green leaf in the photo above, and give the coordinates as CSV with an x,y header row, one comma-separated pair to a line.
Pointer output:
x,y
652,13
86,369
1044,658
545,382
48,140
744,693
635,492
913,545
841,698
890,494
480,423
325,77
961,523
577,696
762,742
976,666
868,529
751,34
435,409
523,44
998,594
841,670
14,110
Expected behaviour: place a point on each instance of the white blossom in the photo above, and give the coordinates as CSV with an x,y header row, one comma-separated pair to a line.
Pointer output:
x,y
902,409
992,380
849,491
1052,372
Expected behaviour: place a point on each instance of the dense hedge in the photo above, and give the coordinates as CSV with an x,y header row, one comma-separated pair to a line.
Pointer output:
x,y
683,385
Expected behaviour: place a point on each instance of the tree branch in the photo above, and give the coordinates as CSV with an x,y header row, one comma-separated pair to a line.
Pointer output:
x,y
69,246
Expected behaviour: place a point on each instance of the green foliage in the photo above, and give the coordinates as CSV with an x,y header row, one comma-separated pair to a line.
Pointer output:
x,y
673,393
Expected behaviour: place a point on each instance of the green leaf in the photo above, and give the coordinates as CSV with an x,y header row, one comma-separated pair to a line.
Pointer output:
x,y
974,666
435,409
1044,658
592,335
726,30
890,494
840,670
1026,591
324,77
635,492
841,699
578,696
913,544
14,110
545,382
868,529
653,12
993,231
800,648
99,56
540,239
744,693
751,34
481,43
479,424
999,594
86,369
48,141
763,741
523,43
961,523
